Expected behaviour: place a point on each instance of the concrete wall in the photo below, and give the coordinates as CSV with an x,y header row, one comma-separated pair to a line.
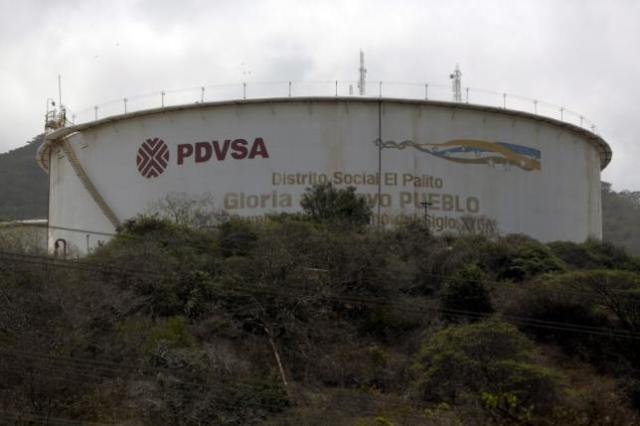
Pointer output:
x,y
529,175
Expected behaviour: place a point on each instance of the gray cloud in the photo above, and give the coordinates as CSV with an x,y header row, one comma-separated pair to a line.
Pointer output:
x,y
578,53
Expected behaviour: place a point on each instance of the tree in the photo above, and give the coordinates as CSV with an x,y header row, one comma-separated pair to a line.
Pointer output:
x,y
188,210
325,203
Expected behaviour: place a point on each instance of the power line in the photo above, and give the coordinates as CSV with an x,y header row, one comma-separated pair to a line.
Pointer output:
x,y
532,322
48,420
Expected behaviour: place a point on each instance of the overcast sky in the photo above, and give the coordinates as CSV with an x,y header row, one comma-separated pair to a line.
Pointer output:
x,y
583,54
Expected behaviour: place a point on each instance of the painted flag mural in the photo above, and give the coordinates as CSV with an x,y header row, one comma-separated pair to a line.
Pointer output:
x,y
470,151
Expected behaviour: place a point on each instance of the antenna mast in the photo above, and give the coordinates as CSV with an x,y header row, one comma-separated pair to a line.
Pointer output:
x,y
56,117
456,84
363,75
59,90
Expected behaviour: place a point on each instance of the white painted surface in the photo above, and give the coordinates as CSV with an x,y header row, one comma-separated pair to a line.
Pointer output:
x,y
561,201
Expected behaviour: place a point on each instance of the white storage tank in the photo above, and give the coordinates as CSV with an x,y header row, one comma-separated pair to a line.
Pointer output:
x,y
522,172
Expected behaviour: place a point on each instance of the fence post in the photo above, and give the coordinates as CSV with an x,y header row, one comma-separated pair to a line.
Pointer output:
x,y
289,89
202,95
162,99
467,95
535,106
504,100
95,110
336,87
380,90
561,114
244,90
125,105
426,92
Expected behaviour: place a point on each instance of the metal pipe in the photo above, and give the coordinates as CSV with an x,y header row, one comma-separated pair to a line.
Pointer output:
x,y
379,162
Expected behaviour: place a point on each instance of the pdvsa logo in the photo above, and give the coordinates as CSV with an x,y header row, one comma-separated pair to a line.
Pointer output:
x,y
237,149
153,158
153,154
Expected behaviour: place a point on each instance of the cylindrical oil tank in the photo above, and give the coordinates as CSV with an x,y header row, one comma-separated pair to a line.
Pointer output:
x,y
471,167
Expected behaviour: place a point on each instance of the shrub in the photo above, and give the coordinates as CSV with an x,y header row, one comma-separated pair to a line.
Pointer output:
x,y
171,333
466,293
237,237
325,203
464,362
594,254
518,258
577,310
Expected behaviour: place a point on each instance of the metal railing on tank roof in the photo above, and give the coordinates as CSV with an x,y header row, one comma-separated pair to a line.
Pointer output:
x,y
335,88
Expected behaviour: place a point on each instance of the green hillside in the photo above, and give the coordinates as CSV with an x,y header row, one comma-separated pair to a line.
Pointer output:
x,y
621,218
23,193
316,319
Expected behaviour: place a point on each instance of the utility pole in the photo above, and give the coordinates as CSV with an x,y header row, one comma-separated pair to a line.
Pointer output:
x,y
456,84
426,205
379,162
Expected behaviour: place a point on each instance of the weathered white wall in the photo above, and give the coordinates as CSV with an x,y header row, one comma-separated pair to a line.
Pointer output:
x,y
561,201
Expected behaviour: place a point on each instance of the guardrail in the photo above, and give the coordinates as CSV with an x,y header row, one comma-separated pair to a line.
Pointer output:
x,y
342,88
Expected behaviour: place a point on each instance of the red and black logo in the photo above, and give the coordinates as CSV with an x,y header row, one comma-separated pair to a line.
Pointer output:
x,y
153,158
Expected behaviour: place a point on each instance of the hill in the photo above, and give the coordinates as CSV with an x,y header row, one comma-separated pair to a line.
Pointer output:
x,y
306,321
23,193
621,218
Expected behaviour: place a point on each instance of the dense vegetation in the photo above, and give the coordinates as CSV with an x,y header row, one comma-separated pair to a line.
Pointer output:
x,y
23,192
318,319
621,217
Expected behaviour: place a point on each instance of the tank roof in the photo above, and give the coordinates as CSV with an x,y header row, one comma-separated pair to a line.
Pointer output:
x,y
601,145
